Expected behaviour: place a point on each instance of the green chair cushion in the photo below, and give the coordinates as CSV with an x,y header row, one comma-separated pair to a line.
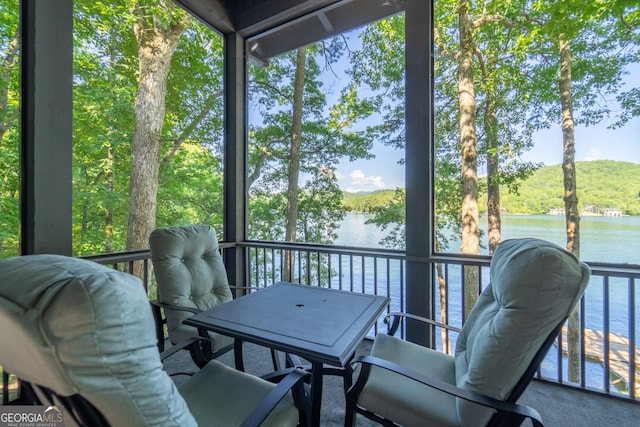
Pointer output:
x,y
405,401
190,273
79,327
241,393
534,284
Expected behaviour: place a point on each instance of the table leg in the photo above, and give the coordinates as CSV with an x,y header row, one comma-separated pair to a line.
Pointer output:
x,y
275,359
317,372
237,354
348,377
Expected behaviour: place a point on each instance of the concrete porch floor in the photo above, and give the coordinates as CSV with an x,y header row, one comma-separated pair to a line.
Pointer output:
x,y
558,406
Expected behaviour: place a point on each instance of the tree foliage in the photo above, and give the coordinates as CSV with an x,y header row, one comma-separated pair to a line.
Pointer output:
x,y
598,187
542,191
327,136
9,129
515,79
106,76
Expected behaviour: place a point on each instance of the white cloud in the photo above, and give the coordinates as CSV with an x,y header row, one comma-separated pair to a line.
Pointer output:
x,y
594,154
359,178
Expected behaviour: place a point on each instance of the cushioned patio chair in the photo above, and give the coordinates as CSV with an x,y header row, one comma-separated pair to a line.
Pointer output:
x,y
191,277
82,336
534,286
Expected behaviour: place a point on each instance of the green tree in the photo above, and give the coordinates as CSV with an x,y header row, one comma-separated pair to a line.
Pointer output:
x,y
106,64
104,93
9,129
598,188
483,41
191,169
391,216
377,70
379,66
468,146
480,80
157,26
295,136
582,52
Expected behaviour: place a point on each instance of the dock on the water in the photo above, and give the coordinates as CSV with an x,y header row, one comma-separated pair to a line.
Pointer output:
x,y
619,356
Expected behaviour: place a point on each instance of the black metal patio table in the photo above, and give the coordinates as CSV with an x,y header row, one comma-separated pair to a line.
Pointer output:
x,y
323,326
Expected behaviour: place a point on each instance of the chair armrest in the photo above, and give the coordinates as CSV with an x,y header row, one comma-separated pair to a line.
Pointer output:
x,y
247,289
160,320
295,379
167,306
520,411
398,316
179,346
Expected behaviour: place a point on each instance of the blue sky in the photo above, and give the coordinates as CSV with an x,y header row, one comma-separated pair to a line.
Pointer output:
x,y
384,171
592,143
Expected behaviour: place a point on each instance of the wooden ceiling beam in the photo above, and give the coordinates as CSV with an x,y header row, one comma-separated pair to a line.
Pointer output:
x,y
214,13
329,21
273,27
269,14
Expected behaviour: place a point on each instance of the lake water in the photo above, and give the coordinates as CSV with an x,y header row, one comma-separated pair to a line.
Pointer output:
x,y
603,239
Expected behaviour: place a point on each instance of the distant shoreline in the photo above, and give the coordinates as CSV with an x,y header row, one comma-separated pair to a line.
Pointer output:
x,y
589,214
597,215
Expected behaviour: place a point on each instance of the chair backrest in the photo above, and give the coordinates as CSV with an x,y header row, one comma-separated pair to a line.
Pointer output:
x,y
85,332
189,272
534,286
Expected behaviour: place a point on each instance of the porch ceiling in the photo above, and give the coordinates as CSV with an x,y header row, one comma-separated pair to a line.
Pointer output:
x,y
273,27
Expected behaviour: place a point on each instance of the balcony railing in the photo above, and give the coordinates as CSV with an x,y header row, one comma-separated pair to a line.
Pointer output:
x,y
609,356
609,361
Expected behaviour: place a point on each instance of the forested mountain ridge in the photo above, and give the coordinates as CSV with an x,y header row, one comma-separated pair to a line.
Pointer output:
x,y
363,201
601,184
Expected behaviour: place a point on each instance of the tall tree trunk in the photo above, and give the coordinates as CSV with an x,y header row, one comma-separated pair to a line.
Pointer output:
x,y
108,214
493,169
468,142
110,164
570,196
86,208
294,160
156,44
444,312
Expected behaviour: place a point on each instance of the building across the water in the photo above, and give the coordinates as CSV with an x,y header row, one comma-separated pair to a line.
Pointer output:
x,y
612,212
556,211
